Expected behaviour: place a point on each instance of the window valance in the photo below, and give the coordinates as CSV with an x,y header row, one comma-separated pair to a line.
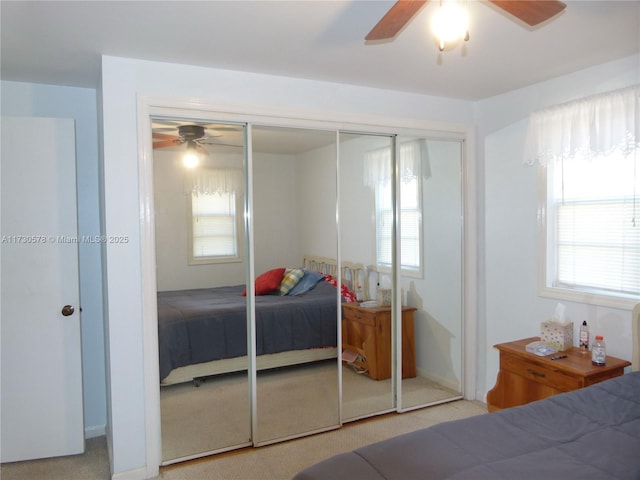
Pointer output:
x,y
414,162
209,181
592,126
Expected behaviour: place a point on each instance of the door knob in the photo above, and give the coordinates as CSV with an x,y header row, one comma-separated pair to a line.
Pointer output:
x,y
67,310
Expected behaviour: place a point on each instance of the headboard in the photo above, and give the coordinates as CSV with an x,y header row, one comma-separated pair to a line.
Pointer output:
x,y
353,275
635,333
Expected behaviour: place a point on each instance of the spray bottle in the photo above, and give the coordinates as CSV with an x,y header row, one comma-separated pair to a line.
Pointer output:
x,y
584,336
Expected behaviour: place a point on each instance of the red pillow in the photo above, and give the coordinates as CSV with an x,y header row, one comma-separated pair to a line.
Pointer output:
x,y
269,281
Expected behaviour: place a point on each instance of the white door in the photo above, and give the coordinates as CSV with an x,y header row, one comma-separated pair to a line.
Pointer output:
x,y
41,383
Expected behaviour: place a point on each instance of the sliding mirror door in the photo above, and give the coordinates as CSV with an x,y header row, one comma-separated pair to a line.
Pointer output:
x,y
212,398
201,272
295,243
431,248
366,242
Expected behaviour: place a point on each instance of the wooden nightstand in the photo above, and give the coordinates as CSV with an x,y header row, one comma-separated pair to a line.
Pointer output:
x,y
367,331
525,377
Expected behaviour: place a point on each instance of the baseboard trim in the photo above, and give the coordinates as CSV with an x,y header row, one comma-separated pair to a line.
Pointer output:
x,y
95,431
136,474
445,382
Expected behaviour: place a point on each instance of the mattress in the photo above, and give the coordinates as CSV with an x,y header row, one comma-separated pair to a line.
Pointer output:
x,y
591,433
202,325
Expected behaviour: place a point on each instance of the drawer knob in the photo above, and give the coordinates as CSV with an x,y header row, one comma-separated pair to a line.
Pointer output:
x,y
535,374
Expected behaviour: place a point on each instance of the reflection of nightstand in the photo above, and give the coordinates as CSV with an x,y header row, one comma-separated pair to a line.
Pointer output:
x,y
525,377
367,331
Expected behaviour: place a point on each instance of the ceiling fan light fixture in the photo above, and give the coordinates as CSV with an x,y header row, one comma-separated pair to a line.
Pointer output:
x,y
450,23
191,157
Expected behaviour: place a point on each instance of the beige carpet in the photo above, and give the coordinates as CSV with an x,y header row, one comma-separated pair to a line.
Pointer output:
x,y
283,460
193,419
292,400
91,465
274,462
362,396
215,416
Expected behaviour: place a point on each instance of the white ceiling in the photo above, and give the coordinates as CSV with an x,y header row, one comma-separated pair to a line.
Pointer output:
x,y
61,42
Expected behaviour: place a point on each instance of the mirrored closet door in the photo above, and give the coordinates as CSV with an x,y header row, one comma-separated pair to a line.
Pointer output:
x,y
366,243
199,196
333,261
430,227
294,230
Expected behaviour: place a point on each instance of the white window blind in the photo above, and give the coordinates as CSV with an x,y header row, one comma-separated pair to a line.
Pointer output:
x,y
597,239
214,232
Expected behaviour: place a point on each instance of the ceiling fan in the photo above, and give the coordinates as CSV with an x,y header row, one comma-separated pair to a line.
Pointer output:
x,y
194,136
531,12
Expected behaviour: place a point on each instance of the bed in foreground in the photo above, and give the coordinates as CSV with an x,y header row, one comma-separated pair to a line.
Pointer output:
x,y
591,433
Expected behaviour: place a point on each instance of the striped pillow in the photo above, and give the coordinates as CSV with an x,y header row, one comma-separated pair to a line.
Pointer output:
x,y
291,278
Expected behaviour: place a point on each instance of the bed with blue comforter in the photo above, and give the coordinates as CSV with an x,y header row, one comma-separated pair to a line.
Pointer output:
x,y
203,325
587,434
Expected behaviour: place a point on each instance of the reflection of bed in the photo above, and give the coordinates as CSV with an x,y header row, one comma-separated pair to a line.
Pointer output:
x,y
590,433
203,332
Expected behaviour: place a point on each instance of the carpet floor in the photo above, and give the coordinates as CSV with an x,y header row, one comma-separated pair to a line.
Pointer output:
x,y
216,415
274,462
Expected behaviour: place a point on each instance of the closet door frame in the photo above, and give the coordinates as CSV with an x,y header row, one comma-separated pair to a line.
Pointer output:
x,y
149,107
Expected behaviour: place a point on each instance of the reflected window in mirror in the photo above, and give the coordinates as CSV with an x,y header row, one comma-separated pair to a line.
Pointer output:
x,y
413,166
215,236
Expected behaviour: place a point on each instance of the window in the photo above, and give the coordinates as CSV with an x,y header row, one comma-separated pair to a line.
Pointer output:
x,y
593,232
214,228
410,223
590,249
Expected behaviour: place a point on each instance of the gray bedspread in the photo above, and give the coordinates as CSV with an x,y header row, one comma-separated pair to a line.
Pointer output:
x,y
207,324
591,433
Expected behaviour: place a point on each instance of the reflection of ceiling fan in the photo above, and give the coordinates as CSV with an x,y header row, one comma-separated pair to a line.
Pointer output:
x,y
195,136
532,12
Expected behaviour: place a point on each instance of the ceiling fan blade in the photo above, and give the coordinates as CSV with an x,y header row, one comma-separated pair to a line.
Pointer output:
x,y
200,149
395,19
164,144
222,127
164,136
219,144
531,12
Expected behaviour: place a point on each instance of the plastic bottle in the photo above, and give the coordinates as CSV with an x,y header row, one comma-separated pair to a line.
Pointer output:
x,y
584,336
598,351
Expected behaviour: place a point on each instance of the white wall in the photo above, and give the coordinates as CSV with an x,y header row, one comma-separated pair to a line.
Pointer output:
x,y
123,80
315,194
34,100
508,214
276,230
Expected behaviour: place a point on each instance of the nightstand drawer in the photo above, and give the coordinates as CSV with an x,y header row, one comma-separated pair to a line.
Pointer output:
x,y
364,316
540,374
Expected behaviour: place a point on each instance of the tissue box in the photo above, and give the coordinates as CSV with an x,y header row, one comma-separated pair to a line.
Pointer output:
x,y
383,296
558,335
